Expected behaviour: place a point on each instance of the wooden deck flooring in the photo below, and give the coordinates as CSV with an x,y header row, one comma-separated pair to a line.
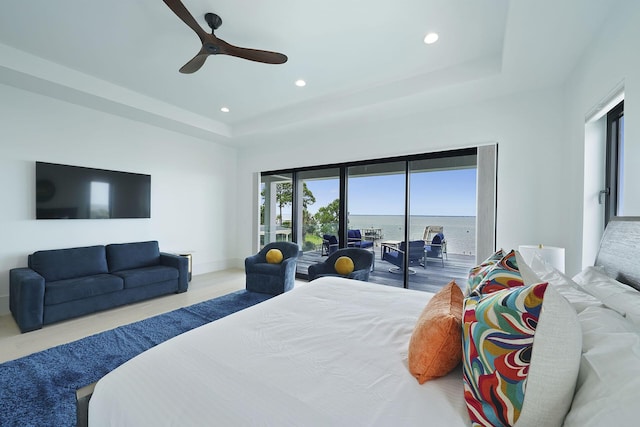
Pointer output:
x,y
431,279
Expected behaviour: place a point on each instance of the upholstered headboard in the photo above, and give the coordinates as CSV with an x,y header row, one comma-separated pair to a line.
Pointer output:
x,y
619,252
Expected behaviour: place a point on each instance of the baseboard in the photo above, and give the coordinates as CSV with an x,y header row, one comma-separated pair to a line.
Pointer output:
x,y
4,305
210,267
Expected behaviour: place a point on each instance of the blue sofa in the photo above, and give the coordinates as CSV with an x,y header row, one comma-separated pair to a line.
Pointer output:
x,y
63,283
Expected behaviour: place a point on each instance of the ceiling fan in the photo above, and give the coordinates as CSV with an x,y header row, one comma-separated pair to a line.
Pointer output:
x,y
212,45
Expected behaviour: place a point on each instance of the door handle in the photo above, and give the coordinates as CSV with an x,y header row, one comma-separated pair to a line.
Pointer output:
x,y
602,195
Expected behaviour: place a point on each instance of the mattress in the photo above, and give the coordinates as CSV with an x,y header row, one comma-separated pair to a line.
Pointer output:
x,y
330,352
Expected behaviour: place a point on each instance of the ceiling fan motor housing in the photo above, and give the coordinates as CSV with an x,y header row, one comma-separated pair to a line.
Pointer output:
x,y
213,20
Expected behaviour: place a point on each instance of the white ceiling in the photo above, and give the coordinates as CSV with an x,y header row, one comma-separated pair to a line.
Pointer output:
x,y
123,56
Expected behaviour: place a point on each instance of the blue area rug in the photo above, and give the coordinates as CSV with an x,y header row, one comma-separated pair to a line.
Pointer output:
x,y
39,389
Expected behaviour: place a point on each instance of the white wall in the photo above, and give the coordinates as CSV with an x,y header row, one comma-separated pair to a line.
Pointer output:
x,y
540,136
610,60
193,190
532,153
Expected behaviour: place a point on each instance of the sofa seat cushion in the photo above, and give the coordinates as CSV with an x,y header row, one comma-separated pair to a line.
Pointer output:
x,y
147,275
127,256
80,288
61,264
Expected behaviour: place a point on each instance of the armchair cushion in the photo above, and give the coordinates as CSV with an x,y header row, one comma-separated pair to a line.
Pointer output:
x,y
354,238
344,265
274,256
266,268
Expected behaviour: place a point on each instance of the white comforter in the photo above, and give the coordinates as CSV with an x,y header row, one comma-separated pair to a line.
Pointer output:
x,y
331,352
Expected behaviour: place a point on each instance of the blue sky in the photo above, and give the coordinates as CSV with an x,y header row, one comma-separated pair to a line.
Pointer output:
x,y
441,193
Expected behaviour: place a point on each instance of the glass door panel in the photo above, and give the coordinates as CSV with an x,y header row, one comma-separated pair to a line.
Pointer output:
x,y
376,201
442,213
276,208
317,210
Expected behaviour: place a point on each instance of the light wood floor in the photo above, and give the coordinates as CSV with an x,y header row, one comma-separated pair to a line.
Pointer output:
x,y
13,344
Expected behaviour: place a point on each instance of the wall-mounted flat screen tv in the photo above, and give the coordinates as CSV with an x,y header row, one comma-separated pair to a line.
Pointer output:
x,y
74,192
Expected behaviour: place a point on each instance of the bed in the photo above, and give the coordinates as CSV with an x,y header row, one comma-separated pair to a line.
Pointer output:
x,y
334,352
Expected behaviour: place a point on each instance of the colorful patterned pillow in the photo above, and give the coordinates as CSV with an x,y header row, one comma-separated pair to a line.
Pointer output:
x,y
521,354
477,273
502,275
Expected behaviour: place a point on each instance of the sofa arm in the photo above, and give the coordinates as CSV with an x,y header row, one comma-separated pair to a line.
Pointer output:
x,y
362,275
289,266
182,264
252,260
316,270
26,298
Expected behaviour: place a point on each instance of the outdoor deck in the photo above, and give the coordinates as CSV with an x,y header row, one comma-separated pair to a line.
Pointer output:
x,y
430,279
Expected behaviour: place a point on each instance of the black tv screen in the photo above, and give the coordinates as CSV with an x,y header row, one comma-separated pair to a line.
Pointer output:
x,y
74,192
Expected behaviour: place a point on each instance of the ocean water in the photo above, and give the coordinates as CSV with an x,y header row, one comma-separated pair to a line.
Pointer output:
x,y
459,231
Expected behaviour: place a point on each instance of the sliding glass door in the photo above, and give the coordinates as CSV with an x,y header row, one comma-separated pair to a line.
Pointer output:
x,y
276,195
318,199
442,215
376,203
418,214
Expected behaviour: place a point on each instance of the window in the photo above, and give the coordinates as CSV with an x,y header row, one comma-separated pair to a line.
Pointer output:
x,y
276,194
614,187
99,200
386,203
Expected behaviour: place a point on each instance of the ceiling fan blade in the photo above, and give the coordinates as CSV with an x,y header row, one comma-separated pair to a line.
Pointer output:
x,y
195,63
264,56
181,12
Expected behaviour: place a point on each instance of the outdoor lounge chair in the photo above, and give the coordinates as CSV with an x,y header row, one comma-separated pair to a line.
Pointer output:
x,y
355,240
430,232
395,255
329,244
435,249
362,262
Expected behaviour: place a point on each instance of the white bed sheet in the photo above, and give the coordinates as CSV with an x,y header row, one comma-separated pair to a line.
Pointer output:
x,y
331,352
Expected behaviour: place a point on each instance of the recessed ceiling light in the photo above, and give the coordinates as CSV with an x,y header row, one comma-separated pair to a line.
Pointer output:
x,y
225,109
301,83
431,38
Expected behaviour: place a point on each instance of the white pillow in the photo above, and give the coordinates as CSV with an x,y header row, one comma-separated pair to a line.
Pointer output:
x,y
609,377
569,289
619,297
528,275
555,361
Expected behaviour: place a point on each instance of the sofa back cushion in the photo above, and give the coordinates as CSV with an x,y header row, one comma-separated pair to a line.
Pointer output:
x,y
60,264
127,256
